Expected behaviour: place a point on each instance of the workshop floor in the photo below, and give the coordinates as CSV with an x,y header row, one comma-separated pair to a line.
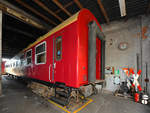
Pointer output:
x,y
19,99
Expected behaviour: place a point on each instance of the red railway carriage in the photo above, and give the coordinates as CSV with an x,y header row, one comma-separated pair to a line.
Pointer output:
x,y
72,53
3,68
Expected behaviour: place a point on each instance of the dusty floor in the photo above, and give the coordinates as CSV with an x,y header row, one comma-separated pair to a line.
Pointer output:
x,y
19,99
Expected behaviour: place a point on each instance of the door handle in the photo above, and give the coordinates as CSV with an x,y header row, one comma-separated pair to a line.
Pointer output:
x,y
50,72
54,65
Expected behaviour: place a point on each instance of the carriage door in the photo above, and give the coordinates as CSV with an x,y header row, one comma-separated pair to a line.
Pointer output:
x,y
57,75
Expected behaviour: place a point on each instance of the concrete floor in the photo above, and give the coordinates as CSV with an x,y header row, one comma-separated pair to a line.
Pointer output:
x,y
19,99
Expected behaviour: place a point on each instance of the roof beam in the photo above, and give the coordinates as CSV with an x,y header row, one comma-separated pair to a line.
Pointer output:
x,y
61,7
9,53
103,10
19,31
148,9
11,50
20,16
78,4
35,11
65,6
47,9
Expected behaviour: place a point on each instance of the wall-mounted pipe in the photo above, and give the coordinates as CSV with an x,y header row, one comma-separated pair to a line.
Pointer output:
x,y
94,32
0,51
103,59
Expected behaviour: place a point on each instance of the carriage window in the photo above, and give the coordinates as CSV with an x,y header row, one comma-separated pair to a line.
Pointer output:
x,y
40,55
29,57
6,65
22,60
58,48
14,64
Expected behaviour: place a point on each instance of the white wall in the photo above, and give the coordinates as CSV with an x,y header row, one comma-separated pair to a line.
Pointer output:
x,y
126,31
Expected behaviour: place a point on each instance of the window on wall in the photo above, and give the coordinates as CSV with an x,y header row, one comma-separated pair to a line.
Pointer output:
x,y
40,53
29,57
58,46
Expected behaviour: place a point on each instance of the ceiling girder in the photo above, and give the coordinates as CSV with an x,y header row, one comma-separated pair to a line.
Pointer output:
x,y
103,10
19,31
20,16
36,12
78,4
48,10
62,7
65,6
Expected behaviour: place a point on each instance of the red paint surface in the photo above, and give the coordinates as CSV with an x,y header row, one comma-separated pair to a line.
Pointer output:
x,y
98,59
72,69
85,16
66,68
136,97
3,68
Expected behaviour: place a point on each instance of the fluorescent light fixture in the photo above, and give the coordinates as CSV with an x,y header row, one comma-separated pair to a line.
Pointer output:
x,y
122,5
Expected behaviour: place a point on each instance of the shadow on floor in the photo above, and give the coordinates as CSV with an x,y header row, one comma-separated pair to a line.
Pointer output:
x,y
17,98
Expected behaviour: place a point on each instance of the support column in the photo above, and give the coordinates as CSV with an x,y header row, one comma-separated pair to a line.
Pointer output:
x,y
0,51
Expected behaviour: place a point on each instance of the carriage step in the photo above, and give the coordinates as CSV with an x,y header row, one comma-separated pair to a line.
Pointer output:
x,y
59,101
62,93
62,86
